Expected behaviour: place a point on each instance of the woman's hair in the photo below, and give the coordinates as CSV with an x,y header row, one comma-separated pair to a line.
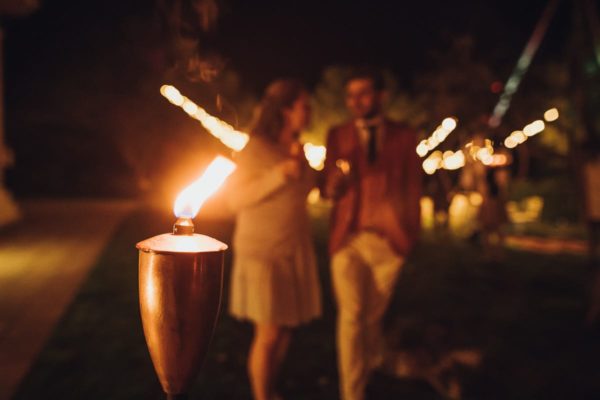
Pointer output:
x,y
278,96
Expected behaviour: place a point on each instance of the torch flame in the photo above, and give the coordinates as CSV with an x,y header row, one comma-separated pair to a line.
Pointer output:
x,y
229,136
190,200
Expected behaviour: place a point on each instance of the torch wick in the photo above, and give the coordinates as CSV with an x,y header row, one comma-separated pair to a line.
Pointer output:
x,y
183,226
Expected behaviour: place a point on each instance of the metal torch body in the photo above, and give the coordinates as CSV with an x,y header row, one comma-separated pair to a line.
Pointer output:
x,y
180,299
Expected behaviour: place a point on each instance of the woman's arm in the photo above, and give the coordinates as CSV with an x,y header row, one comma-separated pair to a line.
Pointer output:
x,y
251,188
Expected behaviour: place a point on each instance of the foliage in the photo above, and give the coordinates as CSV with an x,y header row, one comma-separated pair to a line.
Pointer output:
x,y
457,84
561,203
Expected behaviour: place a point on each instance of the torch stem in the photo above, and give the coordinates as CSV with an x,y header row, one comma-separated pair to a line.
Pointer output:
x,y
183,226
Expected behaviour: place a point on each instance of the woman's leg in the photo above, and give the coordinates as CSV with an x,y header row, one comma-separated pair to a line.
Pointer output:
x,y
266,354
281,352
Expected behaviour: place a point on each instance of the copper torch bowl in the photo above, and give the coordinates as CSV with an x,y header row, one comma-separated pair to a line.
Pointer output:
x,y
180,299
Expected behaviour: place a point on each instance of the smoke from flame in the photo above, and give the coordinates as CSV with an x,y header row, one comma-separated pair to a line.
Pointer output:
x,y
189,26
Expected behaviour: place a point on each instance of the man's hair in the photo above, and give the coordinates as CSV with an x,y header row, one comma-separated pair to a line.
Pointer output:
x,y
370,73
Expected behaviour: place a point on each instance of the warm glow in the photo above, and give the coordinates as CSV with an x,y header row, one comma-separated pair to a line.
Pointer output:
x,y
172,94
343,165
476,199
422,148
433,162
485,156
229,136
462,214
454,161
519,136
315,155
190,107
510,142
430,166
151,301
438,136
534,128
499,160
551,115
436,155
191,198
427,212
525,211
449,124
314,196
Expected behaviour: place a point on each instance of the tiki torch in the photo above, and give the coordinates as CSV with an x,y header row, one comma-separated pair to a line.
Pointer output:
x,y
180,285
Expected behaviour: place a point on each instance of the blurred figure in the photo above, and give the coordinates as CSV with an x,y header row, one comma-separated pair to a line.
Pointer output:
x,y
492,213
373,174
591,188
274,281
440,187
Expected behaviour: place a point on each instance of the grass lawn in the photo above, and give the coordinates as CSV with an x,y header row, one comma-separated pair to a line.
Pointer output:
x,y
525,316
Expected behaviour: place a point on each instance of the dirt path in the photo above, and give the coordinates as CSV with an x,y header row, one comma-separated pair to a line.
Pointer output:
x,y
43,261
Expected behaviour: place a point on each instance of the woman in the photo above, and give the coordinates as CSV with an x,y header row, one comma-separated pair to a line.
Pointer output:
x,y
274,281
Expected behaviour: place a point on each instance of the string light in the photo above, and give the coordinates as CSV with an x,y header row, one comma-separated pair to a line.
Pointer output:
x,y
438,136
551,115
229,136
534,128
519,137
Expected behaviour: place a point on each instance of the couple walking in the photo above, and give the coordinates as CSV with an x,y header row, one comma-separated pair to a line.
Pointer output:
x,y
374,224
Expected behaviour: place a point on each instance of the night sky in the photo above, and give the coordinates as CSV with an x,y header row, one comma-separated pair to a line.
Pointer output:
x,y
263,39
71,66
270,38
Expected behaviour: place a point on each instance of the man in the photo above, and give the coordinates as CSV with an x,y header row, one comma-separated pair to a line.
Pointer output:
x,y
373,174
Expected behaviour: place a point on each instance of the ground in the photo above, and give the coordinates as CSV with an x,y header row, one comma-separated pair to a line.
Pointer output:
x,y
524,315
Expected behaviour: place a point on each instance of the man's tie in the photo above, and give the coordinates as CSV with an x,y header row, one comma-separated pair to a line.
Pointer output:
x,y
372,144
